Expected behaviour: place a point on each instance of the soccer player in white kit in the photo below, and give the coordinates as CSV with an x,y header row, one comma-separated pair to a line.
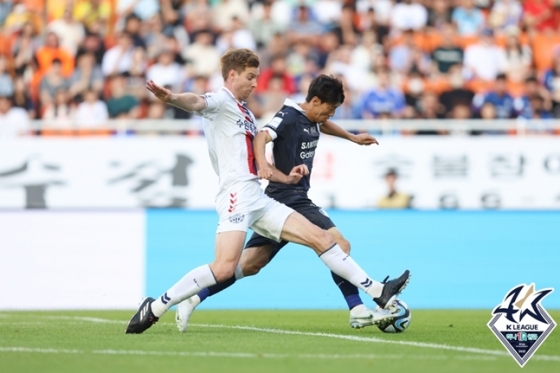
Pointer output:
x,y
241,203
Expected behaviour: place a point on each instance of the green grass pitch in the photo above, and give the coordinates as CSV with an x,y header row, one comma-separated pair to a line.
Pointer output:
x,y
259,341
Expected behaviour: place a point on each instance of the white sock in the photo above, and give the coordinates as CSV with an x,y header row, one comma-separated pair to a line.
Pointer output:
x,y
343,265
193,282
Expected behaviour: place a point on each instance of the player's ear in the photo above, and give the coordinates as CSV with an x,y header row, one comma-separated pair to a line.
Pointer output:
x,y
232,74
315,101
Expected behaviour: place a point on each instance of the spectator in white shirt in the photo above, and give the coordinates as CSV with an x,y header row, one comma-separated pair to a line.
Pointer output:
x,y
69,32
505,13
281,11
226,10
203,56
165,71
327,11
409,15
92,112
14,121
118,59
238,36
382,9
484,60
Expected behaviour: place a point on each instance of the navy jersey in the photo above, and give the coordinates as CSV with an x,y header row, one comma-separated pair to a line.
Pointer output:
x,y
295,140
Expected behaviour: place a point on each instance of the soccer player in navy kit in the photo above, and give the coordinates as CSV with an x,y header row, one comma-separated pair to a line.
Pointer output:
x,y
294,131
229,128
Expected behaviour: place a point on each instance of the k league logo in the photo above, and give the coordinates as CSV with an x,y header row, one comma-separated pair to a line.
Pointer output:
x,y
521,323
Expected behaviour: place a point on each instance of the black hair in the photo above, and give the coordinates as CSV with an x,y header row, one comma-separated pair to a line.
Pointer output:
x,y
501,76
327,89
392,172
531,79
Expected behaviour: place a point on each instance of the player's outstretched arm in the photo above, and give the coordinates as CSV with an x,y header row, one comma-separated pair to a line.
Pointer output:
x,y
186,101
333,129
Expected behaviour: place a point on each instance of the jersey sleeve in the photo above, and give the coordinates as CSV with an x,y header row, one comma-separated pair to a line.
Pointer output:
x,y
277,124
212,108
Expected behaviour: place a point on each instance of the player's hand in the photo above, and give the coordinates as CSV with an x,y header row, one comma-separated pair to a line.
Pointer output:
x,y
300,169
265,172
297,173
364,139
163,94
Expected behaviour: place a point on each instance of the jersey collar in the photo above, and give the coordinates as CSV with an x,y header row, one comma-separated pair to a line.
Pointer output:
x,y
232,96
293,104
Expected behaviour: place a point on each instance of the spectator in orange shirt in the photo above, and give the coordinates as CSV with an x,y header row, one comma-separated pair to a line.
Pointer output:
x,y
51,51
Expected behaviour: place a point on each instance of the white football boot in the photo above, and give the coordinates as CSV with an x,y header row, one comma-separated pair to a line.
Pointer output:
x,y
184,312
361,316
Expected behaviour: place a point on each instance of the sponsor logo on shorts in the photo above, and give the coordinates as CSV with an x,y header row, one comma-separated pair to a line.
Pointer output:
x,y
237,218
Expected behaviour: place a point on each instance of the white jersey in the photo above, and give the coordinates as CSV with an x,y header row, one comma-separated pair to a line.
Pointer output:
x,y
230,129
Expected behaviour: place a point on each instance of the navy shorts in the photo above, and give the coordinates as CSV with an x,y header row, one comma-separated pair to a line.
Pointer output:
x,y
300,202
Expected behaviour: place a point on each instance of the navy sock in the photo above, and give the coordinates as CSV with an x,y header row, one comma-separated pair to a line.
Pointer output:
x,y
203,294
349,291
215,289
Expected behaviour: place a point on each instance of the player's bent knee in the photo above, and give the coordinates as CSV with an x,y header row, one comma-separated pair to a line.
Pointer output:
x,y
344,245
222,272
251,269
323,239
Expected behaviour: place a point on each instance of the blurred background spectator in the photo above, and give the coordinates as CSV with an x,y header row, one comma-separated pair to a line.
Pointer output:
x,y
13,120
406,59
394,199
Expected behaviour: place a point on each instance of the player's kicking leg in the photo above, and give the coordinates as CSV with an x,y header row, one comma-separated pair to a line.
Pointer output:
x,y
229,246
360,315
252,261
299,230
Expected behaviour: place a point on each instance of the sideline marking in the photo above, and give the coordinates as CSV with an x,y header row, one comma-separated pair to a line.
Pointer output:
x,y
312,334
245,355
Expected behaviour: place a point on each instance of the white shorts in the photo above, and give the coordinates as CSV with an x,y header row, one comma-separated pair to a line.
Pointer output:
x,y
244,205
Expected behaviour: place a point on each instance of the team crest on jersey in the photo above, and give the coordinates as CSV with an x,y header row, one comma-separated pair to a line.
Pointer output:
x,y
521,323
237,218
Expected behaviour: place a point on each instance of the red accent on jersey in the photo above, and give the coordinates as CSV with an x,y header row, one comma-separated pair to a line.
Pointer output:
x,y
250,154
245,112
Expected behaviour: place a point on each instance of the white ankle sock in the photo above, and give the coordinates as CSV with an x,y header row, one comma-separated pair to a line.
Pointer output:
x,y
343,265
194,281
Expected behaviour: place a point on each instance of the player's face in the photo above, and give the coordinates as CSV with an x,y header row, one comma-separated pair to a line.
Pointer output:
x,y
321,111
244,83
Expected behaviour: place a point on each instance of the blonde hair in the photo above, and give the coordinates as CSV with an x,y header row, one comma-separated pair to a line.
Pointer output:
x,y
238,60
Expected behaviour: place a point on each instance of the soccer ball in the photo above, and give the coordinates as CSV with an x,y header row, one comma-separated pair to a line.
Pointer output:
x,y
400,322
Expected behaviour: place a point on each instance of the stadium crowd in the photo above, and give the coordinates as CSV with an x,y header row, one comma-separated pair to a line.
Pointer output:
x,y
84,61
